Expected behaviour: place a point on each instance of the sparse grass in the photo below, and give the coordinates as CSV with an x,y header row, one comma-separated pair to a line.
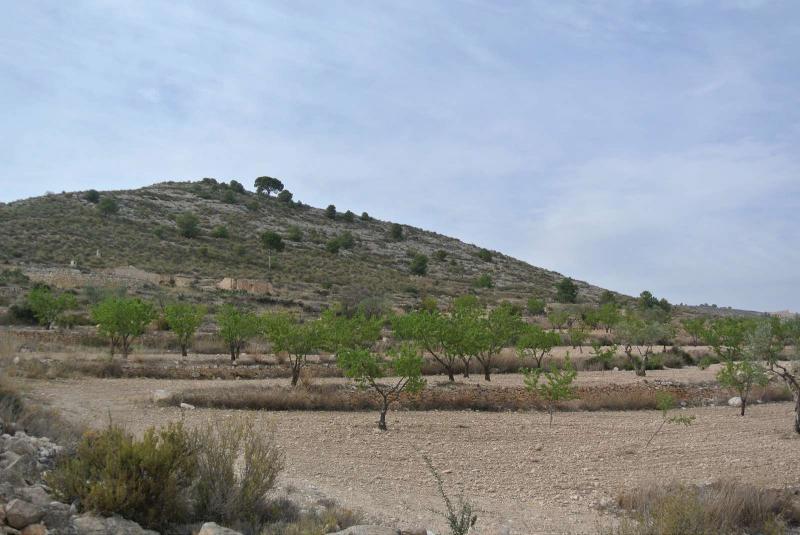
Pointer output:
x,y
723,508
34,419
286,518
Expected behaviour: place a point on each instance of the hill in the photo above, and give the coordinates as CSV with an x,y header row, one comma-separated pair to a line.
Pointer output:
x,y
67,240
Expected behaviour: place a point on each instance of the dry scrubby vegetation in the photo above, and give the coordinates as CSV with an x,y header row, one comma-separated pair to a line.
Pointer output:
x,y
166,227
335,397
172,478
723,508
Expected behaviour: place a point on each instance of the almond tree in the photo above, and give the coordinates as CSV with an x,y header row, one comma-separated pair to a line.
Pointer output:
x,y
768,340
728,337
741,376
635,333
47,307
666,402
184,319
496,330
429,330
461,330
235,328
556,386
122,319
288,335
536,343
367,368
694,327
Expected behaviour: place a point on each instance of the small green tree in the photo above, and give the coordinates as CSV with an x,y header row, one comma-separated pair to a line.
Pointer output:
x,y
365,216
462,330
637,334
536,306
740,376
536,343
184,319
267,184
330,212
577,337
728,336
229,197
694,327
188,225
603,355
236,186
429,330
272,241
333,245
767,341
348,217
607,316
285,197
485,255
566,291
107,206
484,281
48,308
558,318
556,384
235,328
367,368
122,319
419,265
92,196
496,330
665,402
220,231
288,335
396,232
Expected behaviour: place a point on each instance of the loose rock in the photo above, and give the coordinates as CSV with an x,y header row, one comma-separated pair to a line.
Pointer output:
x,y
20,513
212,528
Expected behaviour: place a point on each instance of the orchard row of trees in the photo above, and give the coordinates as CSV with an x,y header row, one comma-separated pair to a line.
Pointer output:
x,y
751,350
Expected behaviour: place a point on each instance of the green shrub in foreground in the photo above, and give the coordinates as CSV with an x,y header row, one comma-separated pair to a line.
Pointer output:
x,y
145,480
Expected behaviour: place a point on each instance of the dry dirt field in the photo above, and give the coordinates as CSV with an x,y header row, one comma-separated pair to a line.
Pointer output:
x,y
524,477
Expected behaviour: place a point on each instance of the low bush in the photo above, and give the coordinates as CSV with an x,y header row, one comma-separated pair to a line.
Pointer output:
x,y
145,480
173,475
725,507
236,468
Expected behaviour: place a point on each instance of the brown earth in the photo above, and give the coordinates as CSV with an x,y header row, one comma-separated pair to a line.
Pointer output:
x,y
521,474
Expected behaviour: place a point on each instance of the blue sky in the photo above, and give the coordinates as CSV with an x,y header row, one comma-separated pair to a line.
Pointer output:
x,y
633,144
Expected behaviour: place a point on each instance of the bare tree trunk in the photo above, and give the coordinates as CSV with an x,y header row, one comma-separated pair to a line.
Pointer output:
x,y
184,352
797,412
466,368
233,353
295,374
450,375
486,372
744,404
384,409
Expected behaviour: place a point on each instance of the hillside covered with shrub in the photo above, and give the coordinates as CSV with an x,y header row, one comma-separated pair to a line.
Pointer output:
x,y
208,230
